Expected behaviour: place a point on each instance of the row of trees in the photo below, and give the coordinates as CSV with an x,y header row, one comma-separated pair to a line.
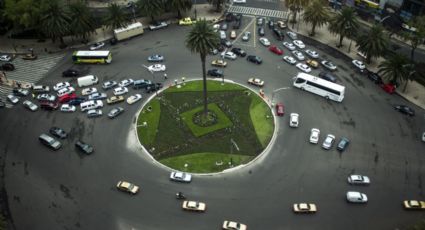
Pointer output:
x,y
374,43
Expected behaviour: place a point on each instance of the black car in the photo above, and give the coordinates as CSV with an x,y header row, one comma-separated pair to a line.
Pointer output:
x,y
239,52
237,25
405,110
70,73
226,43
229,17
278,34
83,147
238,17
254,59
374,77
153,87
58,132
215,73
343,144
141,84
261,31
327,76
7,67
76,101
223,26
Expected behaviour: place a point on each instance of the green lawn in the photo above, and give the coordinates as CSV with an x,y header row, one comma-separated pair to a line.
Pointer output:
x,y
147,133
262,119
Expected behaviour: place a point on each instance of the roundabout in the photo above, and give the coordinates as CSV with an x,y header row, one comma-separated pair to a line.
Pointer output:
x,y
64,189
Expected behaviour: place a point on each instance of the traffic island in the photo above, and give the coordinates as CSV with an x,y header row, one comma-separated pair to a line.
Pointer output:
x,y
175,130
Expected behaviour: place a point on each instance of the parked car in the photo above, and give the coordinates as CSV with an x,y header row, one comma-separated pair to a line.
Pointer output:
x,y
61,85
404,109
271,24
343,144
88,91
49,141
278,34
20,92
215,73
49,105
153,87
94,113
180,177
358,179
115,112
29,105
67,97
281,24
233,34
127,187
314,135
65,91
294,120
97,45
260,21
70,73
120,91
5,57
246,36
359,64
58,132
254,59
76,101
264,41
290,60
97,96
109,84
238,51
275,50
312,53
280,109
299,44
292,35
298,55
13,99
114,99
126,82
84,147
40,89
375,78
356,197
289,46
328,142
67,108
223,26
304,208
229,55
327,76
134,98
256,82
303,67
312,63
414,205
226,43
261,31
156,58
194,206
155,25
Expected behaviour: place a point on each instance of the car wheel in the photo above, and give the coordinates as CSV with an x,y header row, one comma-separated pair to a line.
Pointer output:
x,y
327,97
302,88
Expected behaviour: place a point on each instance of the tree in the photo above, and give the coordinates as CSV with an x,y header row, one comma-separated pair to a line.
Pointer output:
x,y
344,24
317,14
201,39
150,8
295,6
374,43
23,13
180,5
116,17
217,4
54,22
82,22
417,37
396,68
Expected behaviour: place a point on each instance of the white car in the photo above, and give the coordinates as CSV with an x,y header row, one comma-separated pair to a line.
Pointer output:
x,y
109,84
65,91
120,91
298,55
239,1
328,142
67,108
312,53
289,45
61,85
5,57
97,96
264,41
126,82
232,225
292,35
29,105
356,197
97,45
294,120
181,177
88,91
94,113
290,60
194,206
359,64
358,179
246,36
423,136
328,64
12,99
314,135
46,97
256,81
157,68
303,67
229,55
134,98
127,187
299,44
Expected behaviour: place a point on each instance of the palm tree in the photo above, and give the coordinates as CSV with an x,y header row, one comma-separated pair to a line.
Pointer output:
x,y
396,68
24,14
295,6
54,22
180,5
150,8
317,14
344,23
216,3
82,22
374,43
116,17
417,37
201,40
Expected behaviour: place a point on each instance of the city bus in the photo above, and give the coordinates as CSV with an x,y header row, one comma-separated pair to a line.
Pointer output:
x,y
92,57
319,86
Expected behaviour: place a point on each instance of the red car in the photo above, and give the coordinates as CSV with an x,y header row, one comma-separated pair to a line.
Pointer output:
x,y
276,50
67,97
280,109
389,88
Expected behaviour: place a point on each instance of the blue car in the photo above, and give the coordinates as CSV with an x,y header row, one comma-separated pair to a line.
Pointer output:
x,y
156,58
76,101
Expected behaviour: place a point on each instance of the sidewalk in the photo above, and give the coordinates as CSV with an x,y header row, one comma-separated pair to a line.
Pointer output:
x,y
415,92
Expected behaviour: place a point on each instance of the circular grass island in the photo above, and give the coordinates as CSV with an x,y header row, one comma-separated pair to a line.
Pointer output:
x,y
172,127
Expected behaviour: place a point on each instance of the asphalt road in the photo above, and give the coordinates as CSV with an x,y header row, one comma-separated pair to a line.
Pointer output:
x,y
63,189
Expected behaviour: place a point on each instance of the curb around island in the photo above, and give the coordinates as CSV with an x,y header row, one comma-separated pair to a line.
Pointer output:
x,y
265,151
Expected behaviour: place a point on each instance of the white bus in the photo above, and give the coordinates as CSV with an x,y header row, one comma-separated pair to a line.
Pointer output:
x,y
128,31
319,86
92,57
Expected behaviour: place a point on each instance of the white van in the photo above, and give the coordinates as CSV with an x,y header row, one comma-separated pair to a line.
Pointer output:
x,y
87,80
87,105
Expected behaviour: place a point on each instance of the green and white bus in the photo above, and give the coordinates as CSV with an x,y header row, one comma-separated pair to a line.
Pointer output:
x,y
92,57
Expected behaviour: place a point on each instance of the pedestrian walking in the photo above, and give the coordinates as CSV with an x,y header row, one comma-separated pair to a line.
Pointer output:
x,y
165,76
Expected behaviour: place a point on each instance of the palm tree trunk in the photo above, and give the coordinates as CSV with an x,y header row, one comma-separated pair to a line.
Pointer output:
x,y
294,18
341,37
313,32
412,53
405,86
179,15
204,78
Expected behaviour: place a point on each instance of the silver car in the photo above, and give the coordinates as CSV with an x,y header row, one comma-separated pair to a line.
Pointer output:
x,y
298,55
329,141
356,197
358,179
246,36
29,105
181,177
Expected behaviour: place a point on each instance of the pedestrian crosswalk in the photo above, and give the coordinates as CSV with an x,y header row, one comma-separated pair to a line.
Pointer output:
x,y
29,71
257,12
